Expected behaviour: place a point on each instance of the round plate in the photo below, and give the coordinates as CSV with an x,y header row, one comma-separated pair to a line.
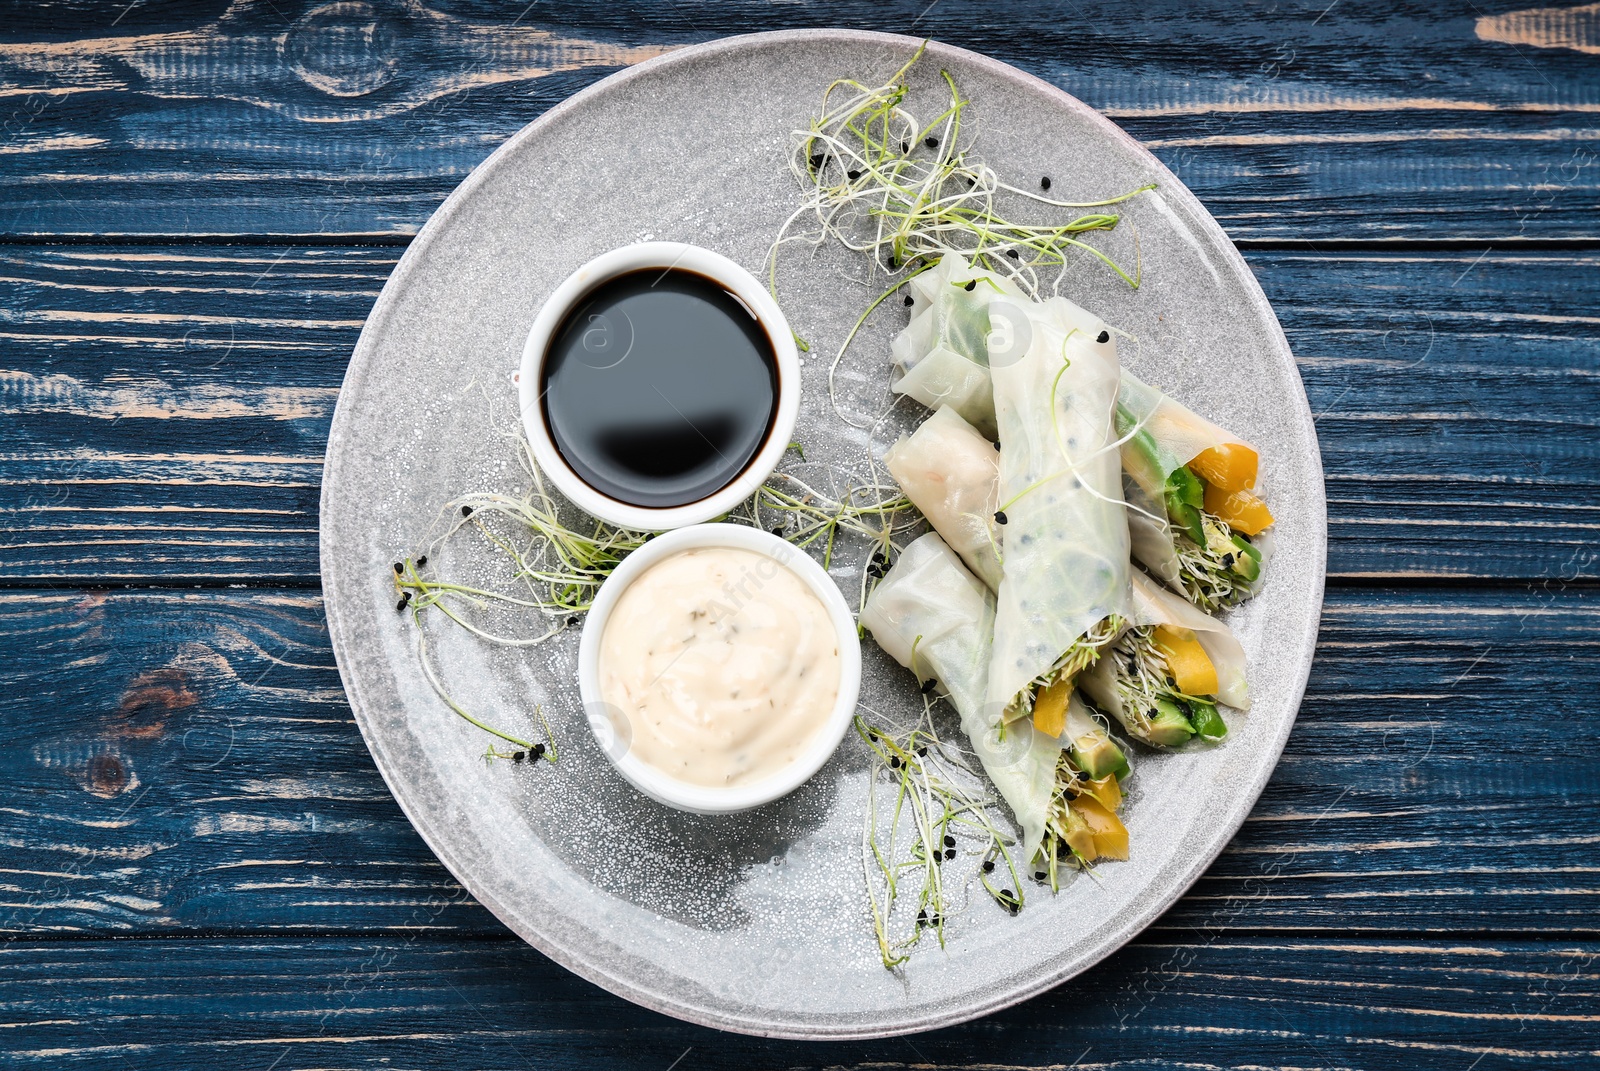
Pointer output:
x,y
758,922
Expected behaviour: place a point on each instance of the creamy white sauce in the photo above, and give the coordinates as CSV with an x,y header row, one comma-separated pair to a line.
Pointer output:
x,y
721,663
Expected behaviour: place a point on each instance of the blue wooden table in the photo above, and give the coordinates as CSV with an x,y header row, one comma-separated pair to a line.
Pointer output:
x,y
201,866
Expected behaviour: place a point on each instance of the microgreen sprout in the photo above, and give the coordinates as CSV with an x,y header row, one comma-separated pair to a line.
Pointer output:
x,y
556,568
1073,661
937,816
1205,573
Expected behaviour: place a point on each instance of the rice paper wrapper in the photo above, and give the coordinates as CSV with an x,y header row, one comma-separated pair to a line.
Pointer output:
x,y
943,353
1150,531
1180,434
1154,605
951,473
1065,547
930,601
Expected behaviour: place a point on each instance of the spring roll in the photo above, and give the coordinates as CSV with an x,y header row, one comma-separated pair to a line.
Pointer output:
x,y
951,473
1064,591
1193,515
1167,638
1195,518
943,353
935,618
1164,676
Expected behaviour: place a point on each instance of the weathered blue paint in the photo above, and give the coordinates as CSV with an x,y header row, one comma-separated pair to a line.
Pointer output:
x,y
1416,886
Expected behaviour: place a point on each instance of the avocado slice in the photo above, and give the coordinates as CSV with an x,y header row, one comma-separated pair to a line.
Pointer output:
x,y
1091,747
1246,560
1169,727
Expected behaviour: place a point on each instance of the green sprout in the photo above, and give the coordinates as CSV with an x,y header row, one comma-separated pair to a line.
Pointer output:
x,y
881,181
934,819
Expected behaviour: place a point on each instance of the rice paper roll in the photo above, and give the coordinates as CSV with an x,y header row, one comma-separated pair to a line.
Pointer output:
x,y
943,353
1153,605
951,473
1162,679
935,618
1194,517
1065,547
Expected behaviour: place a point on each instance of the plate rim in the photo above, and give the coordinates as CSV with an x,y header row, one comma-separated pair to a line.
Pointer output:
x,y
340,628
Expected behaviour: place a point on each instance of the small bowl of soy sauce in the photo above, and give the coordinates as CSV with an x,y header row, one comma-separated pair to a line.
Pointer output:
x,y
659,386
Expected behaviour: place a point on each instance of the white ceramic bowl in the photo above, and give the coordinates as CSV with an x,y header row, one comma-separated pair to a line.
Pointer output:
x,y
577,286
613,738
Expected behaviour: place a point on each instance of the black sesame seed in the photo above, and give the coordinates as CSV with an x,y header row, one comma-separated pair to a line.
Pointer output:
x,y
401,605
972,284
905,146
405,596
817,162
572,619
1040,875
949,853
922,751
1012,253
538,751
422,561
1103,338
1014,907
931,142
853,175
910,301
648,536
466,511
894,762
1008,895
922,916
518,756
399,568
1044,183
1227,561
999,516
949,842
929,685
988,866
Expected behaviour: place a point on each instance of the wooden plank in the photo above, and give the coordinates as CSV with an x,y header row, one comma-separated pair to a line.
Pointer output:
x,y
184,762
1290,121
1375,1005
166,407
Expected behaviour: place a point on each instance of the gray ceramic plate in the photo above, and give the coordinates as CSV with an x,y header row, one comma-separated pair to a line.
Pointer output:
x,y
757,922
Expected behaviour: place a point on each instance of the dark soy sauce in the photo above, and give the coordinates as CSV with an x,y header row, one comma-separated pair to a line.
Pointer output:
x,y
659,387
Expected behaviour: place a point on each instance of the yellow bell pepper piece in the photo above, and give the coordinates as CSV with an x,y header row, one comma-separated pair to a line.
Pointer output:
x,y
1231,466
1241,510
1050,708
1074,829
1110,835
1107,790
1187,661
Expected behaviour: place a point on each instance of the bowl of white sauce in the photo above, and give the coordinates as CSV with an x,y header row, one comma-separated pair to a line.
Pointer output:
x,y
719,667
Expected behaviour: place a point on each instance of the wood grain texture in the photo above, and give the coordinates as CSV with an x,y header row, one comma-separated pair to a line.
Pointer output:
x,y
165,408
426,1002
1417,886
184,762
1290,121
